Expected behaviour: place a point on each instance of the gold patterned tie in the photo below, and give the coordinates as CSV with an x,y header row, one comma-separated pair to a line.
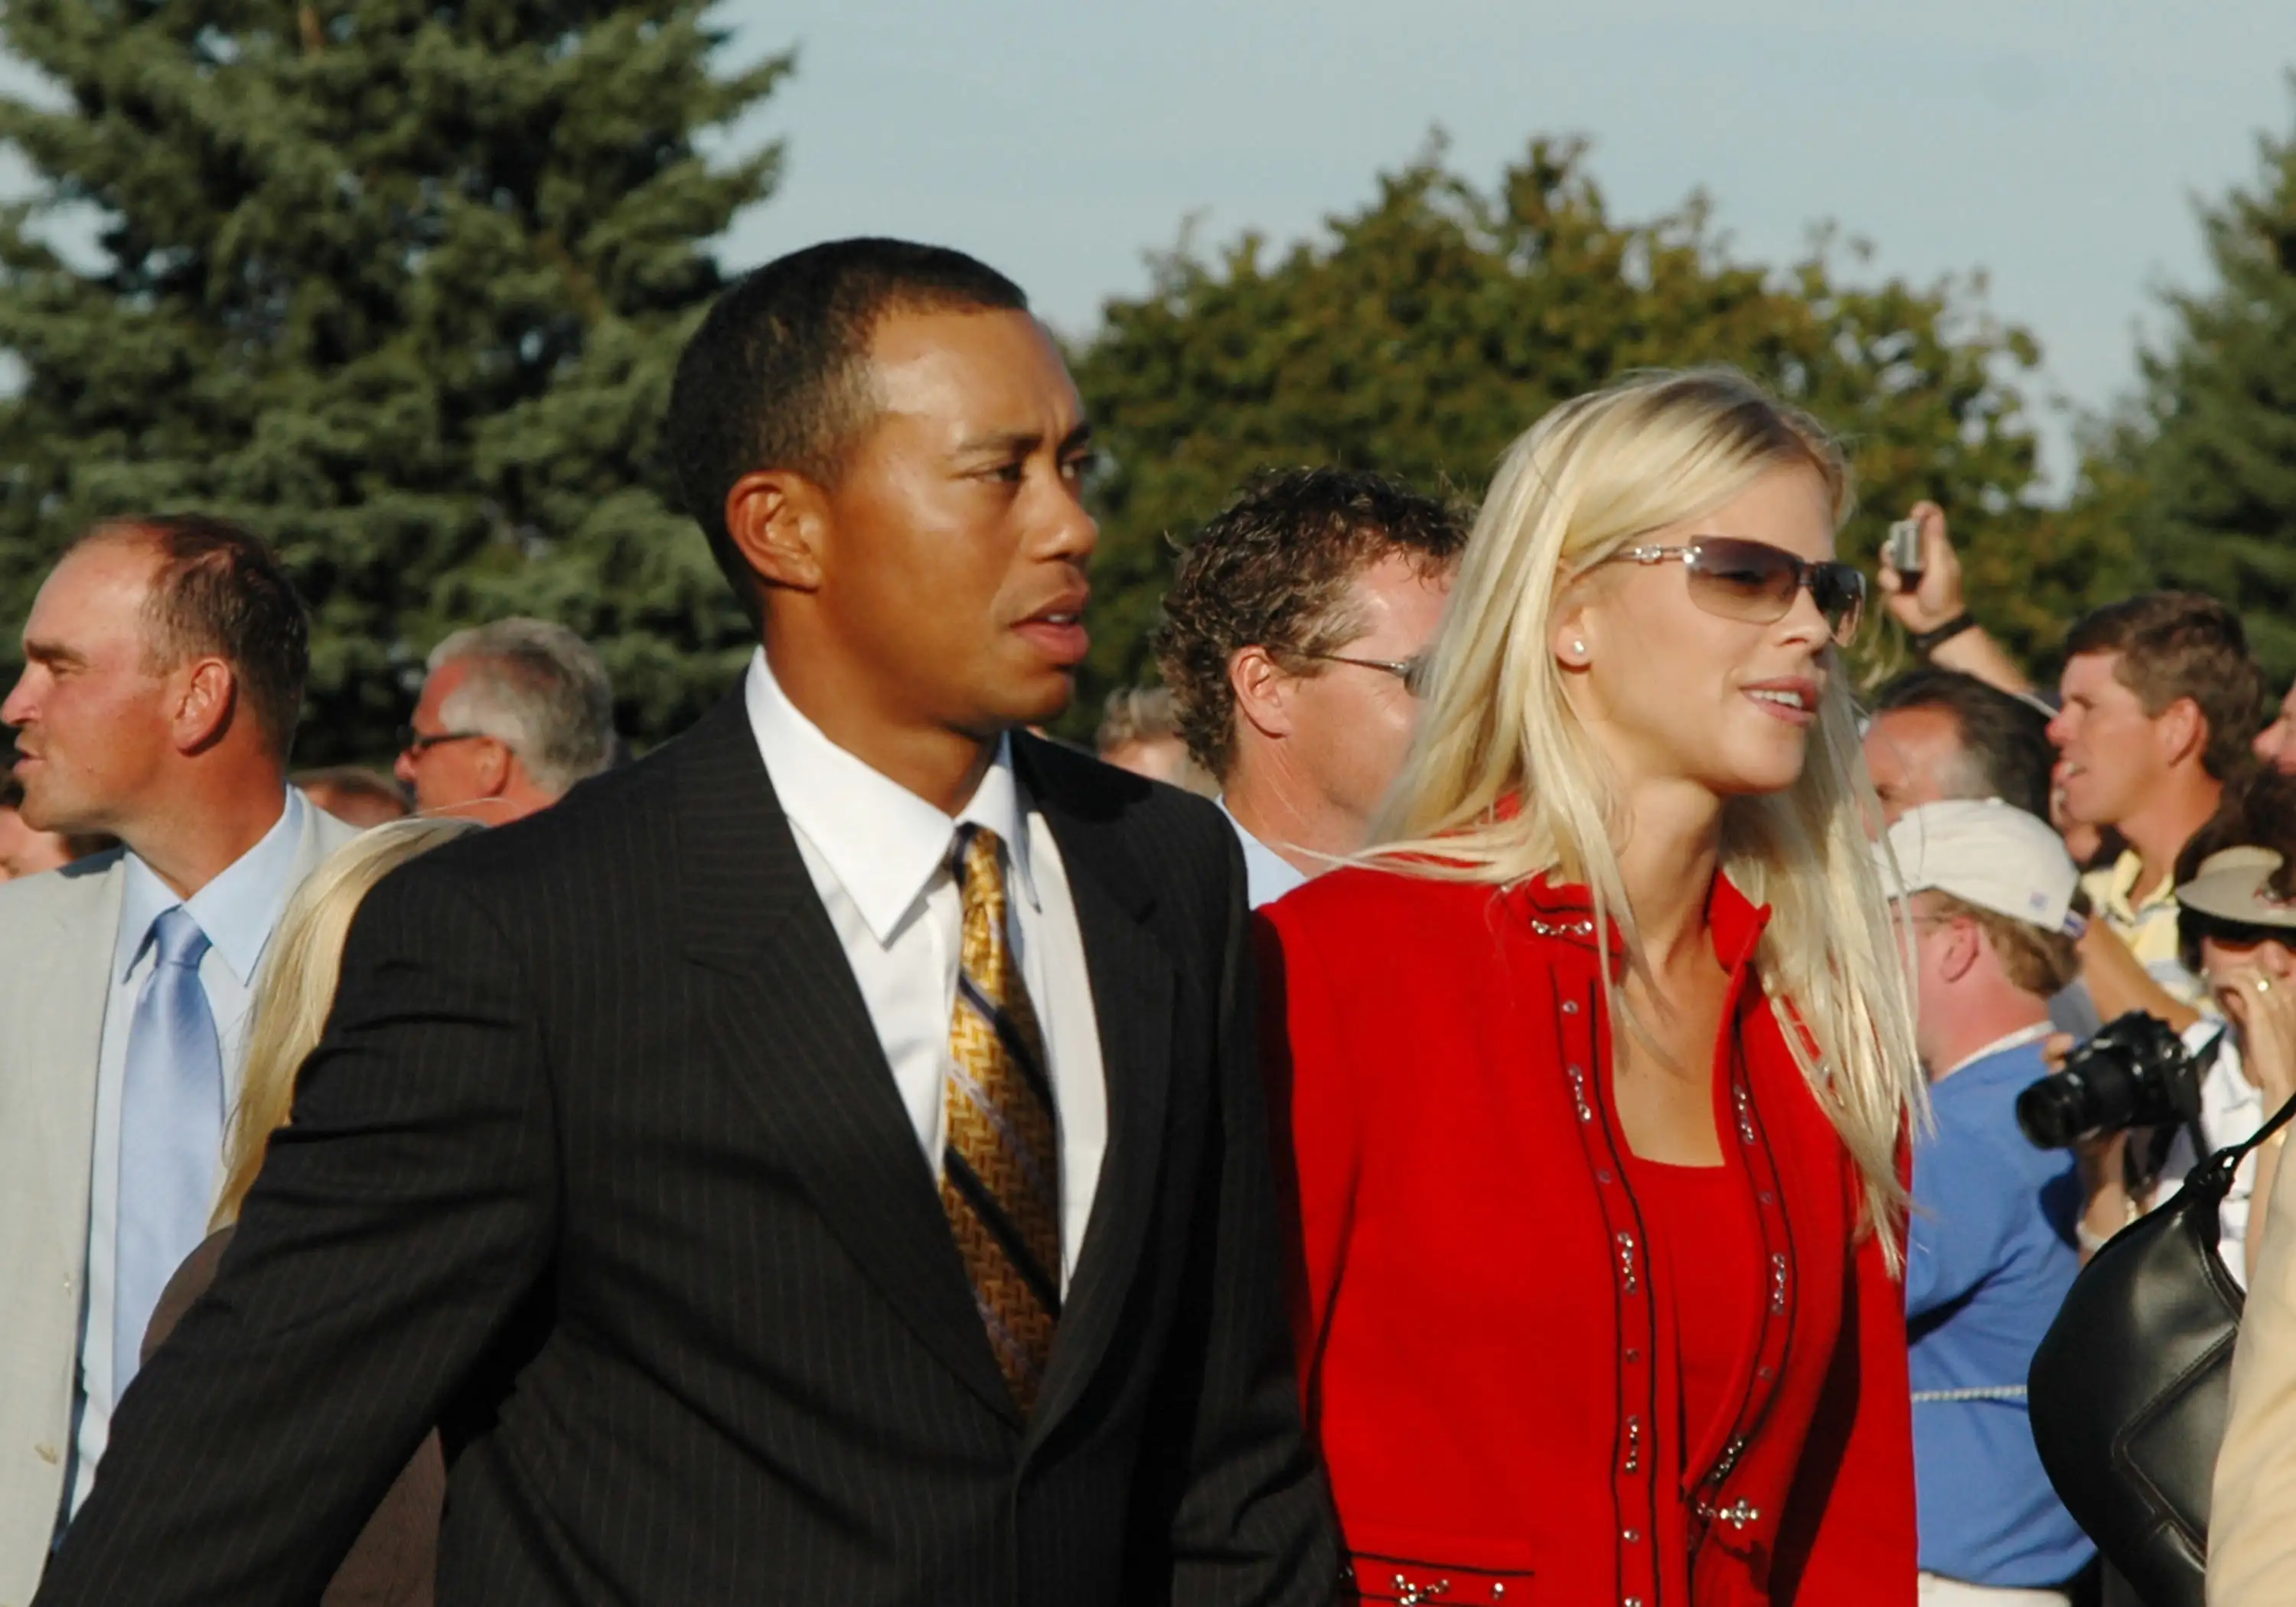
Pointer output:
x,y
1000,1174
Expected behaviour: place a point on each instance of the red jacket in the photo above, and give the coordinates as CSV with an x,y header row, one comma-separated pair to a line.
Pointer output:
x,y
1480,1354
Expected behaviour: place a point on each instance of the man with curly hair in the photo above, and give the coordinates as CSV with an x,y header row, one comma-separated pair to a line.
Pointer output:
x,y
1295,642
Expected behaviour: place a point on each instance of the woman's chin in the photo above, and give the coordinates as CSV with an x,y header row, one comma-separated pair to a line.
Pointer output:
x,y
1759,780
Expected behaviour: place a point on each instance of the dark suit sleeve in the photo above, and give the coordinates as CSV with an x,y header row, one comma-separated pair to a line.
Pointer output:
x,y
1252,1521
395,1227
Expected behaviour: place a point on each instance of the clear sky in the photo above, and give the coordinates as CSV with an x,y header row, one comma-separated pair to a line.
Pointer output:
x,y
2055,145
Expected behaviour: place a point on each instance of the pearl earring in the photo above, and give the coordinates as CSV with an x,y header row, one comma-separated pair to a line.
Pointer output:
x,y
1579,649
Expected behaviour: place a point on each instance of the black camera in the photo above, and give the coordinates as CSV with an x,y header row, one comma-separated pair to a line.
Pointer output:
x,y
2135,1073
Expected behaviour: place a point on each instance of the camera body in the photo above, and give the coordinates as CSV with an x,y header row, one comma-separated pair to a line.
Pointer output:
x,y
1904,548
2133,1073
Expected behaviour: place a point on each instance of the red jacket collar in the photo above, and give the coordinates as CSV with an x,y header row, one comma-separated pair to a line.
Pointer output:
x,y
1565,911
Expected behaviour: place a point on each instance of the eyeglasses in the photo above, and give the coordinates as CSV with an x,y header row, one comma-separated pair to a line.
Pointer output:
x,y
419,742
1757,583
1411,671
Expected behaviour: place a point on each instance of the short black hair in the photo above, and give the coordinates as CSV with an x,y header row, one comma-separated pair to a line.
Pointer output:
x,y
220,589
1272,569
777,375
2005,737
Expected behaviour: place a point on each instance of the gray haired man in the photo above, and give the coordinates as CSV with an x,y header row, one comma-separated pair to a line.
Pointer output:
x,y
513,714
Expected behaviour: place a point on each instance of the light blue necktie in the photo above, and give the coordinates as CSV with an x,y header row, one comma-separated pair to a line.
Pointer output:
x,y
170,1135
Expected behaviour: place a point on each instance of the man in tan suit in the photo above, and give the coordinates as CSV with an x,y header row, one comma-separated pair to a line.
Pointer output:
x,y
164,669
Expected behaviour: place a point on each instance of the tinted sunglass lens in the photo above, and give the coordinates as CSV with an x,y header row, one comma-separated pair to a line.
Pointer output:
x,y
1839,590
1745,580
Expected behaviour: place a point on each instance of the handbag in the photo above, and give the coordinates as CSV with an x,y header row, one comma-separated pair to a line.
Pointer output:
x,y
2129,1388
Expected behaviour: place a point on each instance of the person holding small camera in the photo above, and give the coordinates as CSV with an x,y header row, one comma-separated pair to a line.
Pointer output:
x,y
1921,586
1987,890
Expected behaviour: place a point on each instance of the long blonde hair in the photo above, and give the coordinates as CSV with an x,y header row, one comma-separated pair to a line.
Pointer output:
x,y
1589,478
297,988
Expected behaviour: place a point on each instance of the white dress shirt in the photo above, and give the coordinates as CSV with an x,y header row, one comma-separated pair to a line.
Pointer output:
x,y
237,910
879,857
1267,875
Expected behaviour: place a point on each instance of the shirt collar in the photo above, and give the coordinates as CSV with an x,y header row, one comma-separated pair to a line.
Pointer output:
x,y
2001,1046
1267,874
237,910
2125,872
883,843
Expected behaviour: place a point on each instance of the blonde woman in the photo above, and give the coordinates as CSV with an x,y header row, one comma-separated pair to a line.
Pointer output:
x,y
1596,1297
394,1561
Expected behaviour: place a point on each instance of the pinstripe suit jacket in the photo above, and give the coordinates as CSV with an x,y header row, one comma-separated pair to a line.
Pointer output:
x,y
600,1169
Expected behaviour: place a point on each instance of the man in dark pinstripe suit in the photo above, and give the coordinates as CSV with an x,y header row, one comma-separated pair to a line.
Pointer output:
x,y
820,1162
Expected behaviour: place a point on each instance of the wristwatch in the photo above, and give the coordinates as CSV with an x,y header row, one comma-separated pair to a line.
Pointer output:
x,y
1927,641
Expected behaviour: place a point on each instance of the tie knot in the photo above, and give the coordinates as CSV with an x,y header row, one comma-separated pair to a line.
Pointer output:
x,y
178,937
976,857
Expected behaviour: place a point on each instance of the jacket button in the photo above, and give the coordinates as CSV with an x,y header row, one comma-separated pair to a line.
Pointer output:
x,y
1633,1354
47,1453
1571,1007
1632,1536
1601,1174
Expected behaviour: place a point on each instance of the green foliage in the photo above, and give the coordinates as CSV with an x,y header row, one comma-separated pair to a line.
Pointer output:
x,y
1422,335
2203,472
400,284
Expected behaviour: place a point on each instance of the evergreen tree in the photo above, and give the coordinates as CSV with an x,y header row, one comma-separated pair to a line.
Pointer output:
x,y
399,283
1424,332
2212,452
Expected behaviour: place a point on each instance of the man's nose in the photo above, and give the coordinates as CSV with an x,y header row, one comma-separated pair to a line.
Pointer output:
x,y
1074,534
16,708
403,768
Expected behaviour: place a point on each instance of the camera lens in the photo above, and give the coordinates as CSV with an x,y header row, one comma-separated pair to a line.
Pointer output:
x,y
2054,1112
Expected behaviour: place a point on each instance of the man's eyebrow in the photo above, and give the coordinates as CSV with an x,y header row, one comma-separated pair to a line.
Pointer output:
x,y
1016,443
52,653
1020,443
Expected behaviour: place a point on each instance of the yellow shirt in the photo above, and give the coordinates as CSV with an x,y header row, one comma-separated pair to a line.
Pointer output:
x,y
2148,926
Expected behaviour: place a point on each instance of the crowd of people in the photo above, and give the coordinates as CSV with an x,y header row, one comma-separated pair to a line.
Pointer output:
x,y
1508,1083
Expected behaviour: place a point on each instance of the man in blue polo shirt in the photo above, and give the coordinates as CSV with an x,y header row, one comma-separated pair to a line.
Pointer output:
x,y
1987,890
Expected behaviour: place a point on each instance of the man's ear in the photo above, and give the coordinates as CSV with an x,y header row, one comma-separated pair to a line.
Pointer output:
x,y
204,706
779,521
491,767
1963,943
1263,691
2182,731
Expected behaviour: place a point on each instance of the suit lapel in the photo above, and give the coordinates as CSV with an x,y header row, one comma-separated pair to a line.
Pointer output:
x,y
1133,986
73,1000
791,1022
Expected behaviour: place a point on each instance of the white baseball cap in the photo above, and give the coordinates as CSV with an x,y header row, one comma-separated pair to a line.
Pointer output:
x,y
1991,855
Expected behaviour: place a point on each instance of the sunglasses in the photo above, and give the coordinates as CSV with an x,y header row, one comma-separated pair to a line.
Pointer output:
x,y
419,742
1757,583
1413,671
